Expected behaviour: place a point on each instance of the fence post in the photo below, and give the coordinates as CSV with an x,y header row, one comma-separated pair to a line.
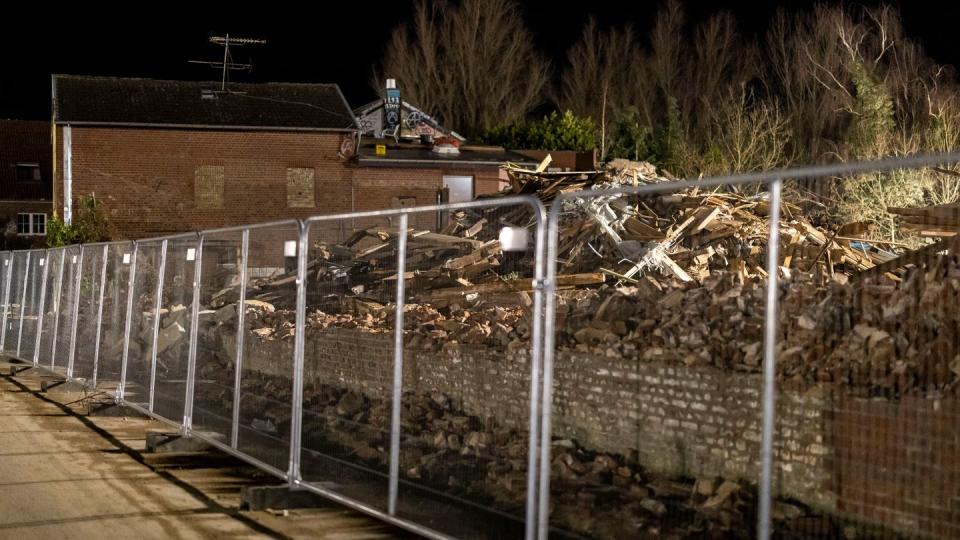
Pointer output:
x,y
56,319
23,301
8,268
192,355
103,285
126,325
769,363
536,364
241,316
296,419
394,487
44,260
549,344
158,305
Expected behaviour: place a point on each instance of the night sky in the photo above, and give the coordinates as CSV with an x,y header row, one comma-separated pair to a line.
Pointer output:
x,y
337,42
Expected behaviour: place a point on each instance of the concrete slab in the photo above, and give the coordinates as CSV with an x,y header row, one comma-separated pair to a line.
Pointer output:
x,y
172,441
279,498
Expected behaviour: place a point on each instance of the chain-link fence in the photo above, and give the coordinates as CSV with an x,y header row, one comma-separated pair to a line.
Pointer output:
x,y
727,357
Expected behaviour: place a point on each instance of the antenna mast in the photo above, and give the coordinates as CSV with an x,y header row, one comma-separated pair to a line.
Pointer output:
x,y
228,64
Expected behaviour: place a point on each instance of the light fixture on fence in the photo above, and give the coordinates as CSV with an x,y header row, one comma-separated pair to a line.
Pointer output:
x,y
73,260
41,262
126,258
191,254
514,239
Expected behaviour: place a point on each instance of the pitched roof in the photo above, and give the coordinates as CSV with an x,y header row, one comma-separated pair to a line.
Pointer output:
x,y
370,124
149,102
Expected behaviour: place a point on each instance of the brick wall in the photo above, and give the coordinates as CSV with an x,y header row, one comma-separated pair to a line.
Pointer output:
x,y
895,464
147,178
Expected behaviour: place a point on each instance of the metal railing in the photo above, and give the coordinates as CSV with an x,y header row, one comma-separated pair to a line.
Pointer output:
x,y
236,336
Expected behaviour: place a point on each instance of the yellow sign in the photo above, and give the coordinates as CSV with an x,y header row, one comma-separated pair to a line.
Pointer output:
x,y
381,149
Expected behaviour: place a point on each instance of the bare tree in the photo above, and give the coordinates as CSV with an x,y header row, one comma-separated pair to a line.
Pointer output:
x,y
471,64
606,72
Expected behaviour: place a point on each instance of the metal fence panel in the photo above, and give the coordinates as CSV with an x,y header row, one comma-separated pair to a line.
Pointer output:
x,y
113,315
391,413
264,397
868,415
176,318
142,317
92,274
654,371
18,283
220,290
465,406
347,375
67,315
30,309
6,267
51,308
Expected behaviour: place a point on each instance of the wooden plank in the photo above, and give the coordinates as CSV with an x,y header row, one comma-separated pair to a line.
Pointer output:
x,y
911,257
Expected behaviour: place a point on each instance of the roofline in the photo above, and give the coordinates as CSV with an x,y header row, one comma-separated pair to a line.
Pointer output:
x,y
56,76
356,123
200,126
381,162
378,104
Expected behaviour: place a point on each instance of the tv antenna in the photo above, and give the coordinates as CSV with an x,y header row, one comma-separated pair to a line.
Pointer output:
x,y
228,64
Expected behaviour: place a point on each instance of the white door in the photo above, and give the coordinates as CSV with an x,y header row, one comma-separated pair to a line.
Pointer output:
x,y
460,188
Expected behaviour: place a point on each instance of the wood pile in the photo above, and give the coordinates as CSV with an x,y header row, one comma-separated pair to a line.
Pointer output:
x,y
936,221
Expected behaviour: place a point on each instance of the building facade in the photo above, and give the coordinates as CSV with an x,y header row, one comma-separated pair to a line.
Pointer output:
x,y
174,156
26,183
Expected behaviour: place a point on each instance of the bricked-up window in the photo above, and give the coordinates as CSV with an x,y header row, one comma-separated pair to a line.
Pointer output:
x,y
32,224
300,187
208,186
28,172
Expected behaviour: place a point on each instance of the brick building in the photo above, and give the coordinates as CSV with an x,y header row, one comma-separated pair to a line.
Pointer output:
x,y
172,156
25,183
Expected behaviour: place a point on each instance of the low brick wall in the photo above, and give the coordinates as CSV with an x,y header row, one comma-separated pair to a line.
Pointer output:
x,y
894,464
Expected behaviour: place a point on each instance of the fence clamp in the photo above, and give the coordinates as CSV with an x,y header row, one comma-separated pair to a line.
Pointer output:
x,y
539,284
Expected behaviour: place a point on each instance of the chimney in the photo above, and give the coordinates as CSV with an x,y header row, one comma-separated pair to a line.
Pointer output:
x,y
391,108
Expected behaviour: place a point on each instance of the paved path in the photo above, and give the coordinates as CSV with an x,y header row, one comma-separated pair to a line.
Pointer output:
x,y
66,475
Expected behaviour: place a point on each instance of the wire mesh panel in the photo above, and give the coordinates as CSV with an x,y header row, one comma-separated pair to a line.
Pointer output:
x,y
18,284
113,315
220,291
868,416
51,308
92,275
67,316
467,367
176,317
264,404
655,361
30,310
6,266
142,316
348,354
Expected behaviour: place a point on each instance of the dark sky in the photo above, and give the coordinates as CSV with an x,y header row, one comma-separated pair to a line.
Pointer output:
x,y
328,42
